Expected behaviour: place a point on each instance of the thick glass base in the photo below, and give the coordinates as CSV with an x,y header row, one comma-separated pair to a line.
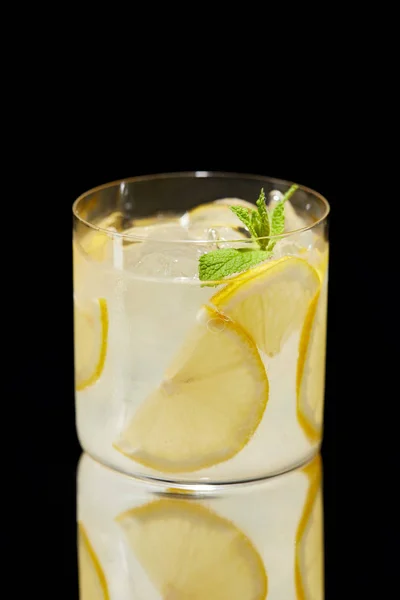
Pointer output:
x,y
186,481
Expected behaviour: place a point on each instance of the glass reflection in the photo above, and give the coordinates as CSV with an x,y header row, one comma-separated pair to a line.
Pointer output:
x,y
143,541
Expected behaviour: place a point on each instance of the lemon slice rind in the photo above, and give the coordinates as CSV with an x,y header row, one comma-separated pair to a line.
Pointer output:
x,y
83,382
311,365
88,557
313,503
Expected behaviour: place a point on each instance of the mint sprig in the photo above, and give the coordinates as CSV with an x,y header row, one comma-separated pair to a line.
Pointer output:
x,y
218,264
262,223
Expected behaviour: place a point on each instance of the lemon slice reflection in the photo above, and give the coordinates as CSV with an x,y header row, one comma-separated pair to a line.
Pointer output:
x,y
188,551
309,566
92,582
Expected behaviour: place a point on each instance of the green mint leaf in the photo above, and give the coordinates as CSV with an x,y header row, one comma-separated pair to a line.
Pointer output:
x,y
255,223
278,219
278,213
277,216
262,207
264,221
218,264
244,214
290,192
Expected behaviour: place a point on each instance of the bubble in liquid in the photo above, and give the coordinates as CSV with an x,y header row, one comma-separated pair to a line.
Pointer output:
x,y
274,196
217,324
213,235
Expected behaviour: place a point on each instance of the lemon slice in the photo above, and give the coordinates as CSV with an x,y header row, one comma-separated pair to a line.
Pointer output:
x,y
96,243
207,408
90,333
270,301
92,582
309,568
311,368
202,555
235,202
217,213
215,221
95,246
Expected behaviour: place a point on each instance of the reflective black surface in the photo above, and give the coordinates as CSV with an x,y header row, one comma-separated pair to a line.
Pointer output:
x,y
360,500
139,539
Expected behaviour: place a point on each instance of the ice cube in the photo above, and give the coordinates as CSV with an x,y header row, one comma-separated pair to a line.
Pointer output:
x,y
220,237
215,221
274,197
167,252
167,263
292,245
306,245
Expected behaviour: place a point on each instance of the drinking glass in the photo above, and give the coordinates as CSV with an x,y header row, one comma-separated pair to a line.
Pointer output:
x,y
200,305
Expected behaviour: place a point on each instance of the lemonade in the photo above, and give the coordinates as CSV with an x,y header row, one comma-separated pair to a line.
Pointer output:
x,y
199,342
255,541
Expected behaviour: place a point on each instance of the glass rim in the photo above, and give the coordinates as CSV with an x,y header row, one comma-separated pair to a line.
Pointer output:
x,y
193,175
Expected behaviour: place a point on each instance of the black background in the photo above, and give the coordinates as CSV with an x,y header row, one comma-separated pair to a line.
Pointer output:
x,y
356,444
